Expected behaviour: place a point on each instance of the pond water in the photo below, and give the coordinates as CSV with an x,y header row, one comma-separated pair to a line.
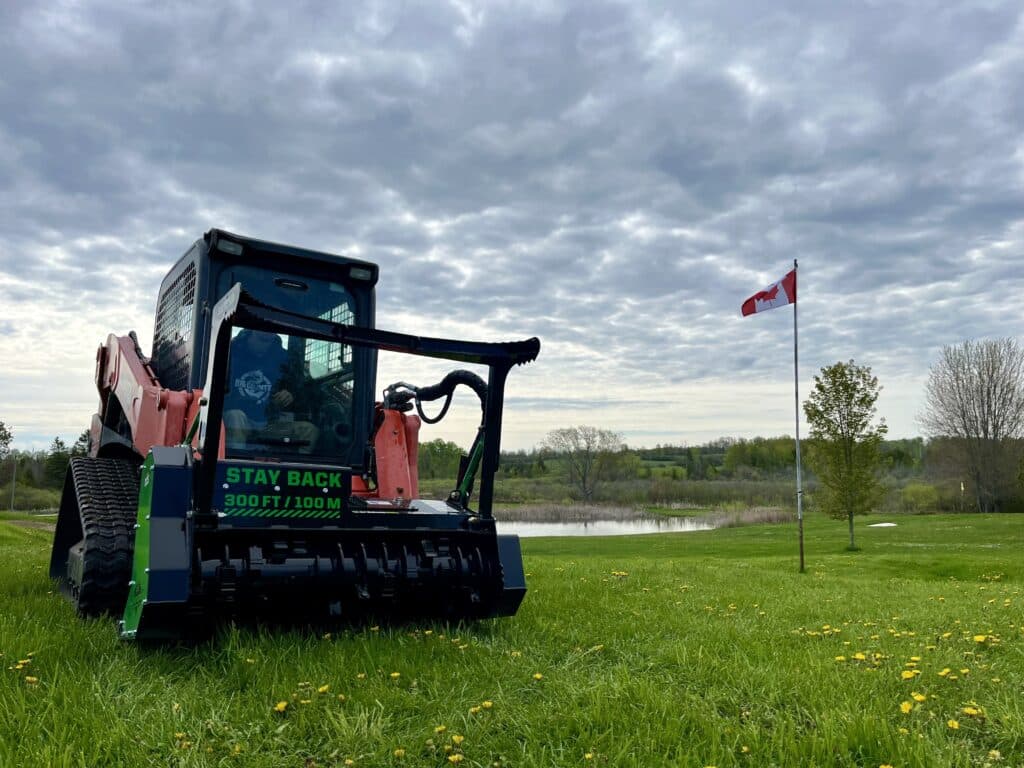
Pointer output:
x,y
527,530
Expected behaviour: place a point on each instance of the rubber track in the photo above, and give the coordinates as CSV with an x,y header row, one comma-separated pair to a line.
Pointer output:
x,y
107,491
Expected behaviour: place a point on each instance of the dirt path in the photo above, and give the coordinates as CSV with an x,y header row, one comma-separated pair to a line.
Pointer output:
x,y
37,524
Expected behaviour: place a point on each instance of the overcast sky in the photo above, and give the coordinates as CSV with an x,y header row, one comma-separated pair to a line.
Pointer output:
x,y
614,178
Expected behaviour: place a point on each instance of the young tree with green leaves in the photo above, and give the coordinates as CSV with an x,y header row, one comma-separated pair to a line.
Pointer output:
x,y
844,440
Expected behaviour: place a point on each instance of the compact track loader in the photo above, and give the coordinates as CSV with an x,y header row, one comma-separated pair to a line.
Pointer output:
x,y
246,469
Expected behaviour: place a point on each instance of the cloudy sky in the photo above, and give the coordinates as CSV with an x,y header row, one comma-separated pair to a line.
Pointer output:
x,y
615,178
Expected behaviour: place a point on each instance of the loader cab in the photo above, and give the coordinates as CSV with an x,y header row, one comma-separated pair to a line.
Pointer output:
x,y
286,397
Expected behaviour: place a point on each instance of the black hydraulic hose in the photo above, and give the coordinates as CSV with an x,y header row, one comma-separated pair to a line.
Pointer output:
x,y
445,388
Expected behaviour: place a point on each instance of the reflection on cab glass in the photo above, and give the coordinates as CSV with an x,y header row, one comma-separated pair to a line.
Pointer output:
x,y
287,396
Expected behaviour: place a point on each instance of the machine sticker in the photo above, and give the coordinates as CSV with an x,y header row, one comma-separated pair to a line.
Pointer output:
x,y
259,491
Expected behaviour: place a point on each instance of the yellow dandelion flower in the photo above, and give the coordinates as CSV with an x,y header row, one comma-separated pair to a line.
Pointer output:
x,y
487,704
349,761
859,656
31,680
885,765
918,697
945,672
440,728
953,724
323,689
457,739
237,749
965,671
395,675
179,735
745,749
281,706
474,710
250,661
455,758
361,676
341,697
908,674
980,638
840,658
305,701
399,752
906,707
538,676
428,632
972,711
588,755
904,731
995,754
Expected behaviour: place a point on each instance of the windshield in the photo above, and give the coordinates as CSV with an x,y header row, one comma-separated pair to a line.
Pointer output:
x,y
289,397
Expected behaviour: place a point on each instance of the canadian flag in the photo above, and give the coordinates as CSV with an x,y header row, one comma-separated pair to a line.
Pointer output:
x,y
777,294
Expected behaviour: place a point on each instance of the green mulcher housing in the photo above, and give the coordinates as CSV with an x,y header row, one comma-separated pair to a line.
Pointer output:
x,y
246,470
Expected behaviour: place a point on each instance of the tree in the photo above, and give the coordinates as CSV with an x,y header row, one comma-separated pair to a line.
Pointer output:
x,y
975,395
56,463
5,441
590,454
845,444
81,446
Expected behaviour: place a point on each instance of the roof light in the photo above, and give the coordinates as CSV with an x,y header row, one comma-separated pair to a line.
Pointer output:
x,y
360,273
235,249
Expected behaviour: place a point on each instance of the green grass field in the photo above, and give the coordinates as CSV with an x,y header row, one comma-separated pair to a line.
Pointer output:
x,y
697,649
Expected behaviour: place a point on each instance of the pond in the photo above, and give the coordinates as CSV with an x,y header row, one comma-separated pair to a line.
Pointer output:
x,y
526,529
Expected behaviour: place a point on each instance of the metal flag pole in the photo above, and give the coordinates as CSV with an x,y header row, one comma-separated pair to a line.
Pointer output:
x,y
796,396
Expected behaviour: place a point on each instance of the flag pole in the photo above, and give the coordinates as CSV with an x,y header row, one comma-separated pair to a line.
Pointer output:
x,y
796,396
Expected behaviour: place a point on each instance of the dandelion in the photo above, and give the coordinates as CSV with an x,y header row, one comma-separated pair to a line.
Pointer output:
x,y
323,689
399,753
250,661
457,739
972,711
980,638
840,658
859,656
487,704
588,756
31,680
745,749
918,697
395,675
995,754
341,697
349,761
538,676
361,676
909,674
945,672
952,724
474,710
281,706
440,728
456,758
305,701
906,707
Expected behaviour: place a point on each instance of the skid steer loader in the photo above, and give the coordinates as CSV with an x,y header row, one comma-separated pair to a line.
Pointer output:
x,y
246,469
